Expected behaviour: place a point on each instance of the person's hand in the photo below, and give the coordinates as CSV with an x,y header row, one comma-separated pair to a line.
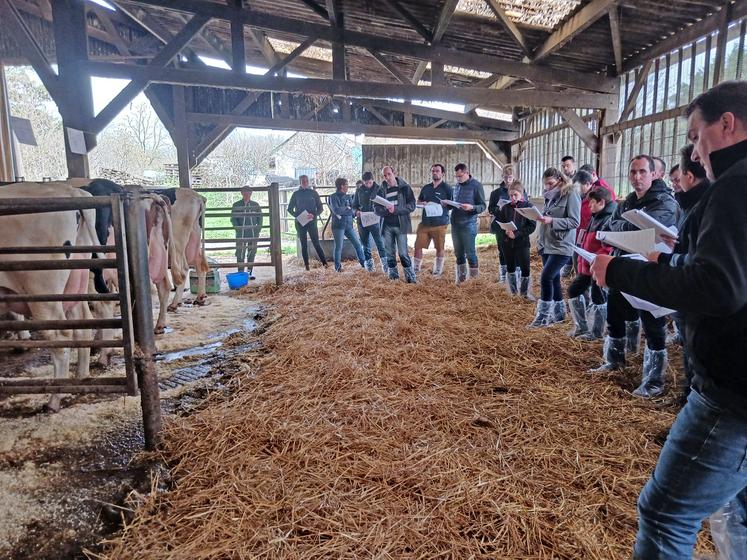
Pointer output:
x,y
310,215
653,256
391,209
599,269
358,213
511,234
545,220
443,203
669,241
467,207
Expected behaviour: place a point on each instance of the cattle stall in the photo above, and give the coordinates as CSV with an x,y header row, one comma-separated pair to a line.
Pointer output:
x,y
216,215
134,297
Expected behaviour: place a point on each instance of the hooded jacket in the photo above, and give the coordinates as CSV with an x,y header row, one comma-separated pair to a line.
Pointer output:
x,y
710,291
587,238
558,237
404,207
657,202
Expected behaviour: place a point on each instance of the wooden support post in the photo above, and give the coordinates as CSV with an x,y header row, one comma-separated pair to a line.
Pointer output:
x,y
181,137
71,43
339,70
608,157
723,36
145,344
238,49
437,74
276,248
578,126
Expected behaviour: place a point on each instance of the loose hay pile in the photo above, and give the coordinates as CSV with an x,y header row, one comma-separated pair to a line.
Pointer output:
x,y
405,421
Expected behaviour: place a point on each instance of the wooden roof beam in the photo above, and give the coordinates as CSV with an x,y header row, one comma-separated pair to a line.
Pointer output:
x,y
581,129
411,19
483,62
640,79
616,39
509,25
444,18
352,128
580,21
367,90
290,57
389,67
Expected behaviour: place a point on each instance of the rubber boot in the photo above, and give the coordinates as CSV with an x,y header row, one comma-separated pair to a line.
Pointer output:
x,y
557,312
410,275
542,314
524,289
597,320
369,265
418,264
512,284
502,277
654,367
632,337
461,273
393,273
614,355
438,266
474,271
578,314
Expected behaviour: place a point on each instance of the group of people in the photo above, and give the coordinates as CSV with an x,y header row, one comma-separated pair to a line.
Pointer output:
x,y
703,277
383,216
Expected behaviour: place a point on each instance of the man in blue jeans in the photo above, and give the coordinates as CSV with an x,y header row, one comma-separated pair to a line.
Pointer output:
x,y
396,223
468,192
703,464
341,208
363,202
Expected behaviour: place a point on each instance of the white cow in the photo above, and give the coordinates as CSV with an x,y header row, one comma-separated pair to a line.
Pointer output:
x,y
49,229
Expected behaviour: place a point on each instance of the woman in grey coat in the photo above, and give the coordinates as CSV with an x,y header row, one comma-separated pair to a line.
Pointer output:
x,y
557,236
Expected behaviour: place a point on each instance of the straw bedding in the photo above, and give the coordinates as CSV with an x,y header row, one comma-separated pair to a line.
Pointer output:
x,y
386,420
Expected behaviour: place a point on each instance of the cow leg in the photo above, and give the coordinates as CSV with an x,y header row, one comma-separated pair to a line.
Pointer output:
x,y
81,311
163,288
179,293
60,356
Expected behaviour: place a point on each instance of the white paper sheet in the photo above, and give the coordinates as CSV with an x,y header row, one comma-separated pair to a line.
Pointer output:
x,y
452,203
640,219
433,210
584,254
381,201
369,219
532,213
510,226
655,310
641,242
502,202
304,218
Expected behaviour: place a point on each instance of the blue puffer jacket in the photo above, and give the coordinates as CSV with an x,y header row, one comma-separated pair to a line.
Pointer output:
x,y
341,207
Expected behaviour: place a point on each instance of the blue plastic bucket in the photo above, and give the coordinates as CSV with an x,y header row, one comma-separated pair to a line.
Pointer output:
x,y
237,280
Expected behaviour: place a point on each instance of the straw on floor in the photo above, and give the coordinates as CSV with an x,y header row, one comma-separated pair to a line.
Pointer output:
x,y
387,420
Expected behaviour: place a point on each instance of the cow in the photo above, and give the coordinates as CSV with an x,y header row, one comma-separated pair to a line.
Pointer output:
x,y
187,218
50,229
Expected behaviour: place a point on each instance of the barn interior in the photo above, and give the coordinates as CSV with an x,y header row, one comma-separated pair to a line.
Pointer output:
x,y
320,415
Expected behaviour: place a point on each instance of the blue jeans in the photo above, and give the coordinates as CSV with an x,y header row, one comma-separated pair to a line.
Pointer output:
x,y
396,243
701,468
371,233
348,232
463,237
550,289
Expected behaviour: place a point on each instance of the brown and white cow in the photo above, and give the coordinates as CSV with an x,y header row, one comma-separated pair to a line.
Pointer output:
x,y
49,229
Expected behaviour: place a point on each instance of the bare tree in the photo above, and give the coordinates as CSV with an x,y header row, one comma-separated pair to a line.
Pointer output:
x,y
332,155
240,157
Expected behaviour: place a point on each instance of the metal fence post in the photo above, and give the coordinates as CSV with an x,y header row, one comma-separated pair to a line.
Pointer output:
x,y
276,244
145,343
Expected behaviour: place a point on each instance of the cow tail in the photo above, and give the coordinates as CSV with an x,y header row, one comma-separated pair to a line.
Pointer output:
x,y
176,261
90,228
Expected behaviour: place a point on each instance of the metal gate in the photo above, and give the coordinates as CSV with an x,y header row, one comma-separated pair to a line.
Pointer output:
x,y
134,297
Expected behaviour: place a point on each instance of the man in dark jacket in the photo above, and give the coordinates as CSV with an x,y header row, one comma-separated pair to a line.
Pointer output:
x,y
498,198
363,202
433,227
305,204
247,219
703,464
468,192
397,224
623,326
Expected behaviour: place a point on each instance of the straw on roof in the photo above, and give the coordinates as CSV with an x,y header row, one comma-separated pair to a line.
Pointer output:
x,y
540,13
390,420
